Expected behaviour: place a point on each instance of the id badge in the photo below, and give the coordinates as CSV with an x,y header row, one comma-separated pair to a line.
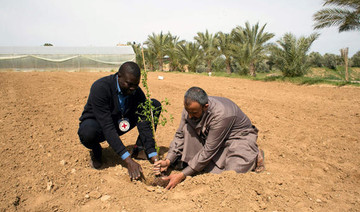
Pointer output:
x,y
124,124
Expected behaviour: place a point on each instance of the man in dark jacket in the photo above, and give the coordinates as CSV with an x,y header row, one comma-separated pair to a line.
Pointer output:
x,y
111,111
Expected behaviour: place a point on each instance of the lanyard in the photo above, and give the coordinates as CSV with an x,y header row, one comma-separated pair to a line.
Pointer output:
x,y
121,106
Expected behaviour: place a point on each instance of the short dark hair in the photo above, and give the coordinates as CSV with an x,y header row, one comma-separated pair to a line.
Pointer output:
x,y
130,68
196,94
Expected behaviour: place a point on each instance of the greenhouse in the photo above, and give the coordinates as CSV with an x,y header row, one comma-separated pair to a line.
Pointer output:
x,y
51,58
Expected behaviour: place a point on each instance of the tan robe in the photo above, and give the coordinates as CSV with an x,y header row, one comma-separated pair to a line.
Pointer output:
x,y
224,139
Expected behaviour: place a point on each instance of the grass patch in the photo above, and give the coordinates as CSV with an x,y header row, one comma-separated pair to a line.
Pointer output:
x,y
315,76
307,81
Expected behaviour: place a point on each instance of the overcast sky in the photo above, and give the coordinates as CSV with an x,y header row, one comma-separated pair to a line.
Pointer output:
x,y
108,22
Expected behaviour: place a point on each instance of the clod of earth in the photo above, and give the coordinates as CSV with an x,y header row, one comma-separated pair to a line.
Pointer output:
x,y
159,181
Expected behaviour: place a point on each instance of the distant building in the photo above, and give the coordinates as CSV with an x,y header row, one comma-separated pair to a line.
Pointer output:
x,y
51,58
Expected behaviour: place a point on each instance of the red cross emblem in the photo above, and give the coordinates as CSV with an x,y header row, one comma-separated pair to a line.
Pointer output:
x,y
124,125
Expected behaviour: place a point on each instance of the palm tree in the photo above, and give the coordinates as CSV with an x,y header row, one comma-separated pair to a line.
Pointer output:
x,y
208,43
346,15
158,44
138,55
291,57
173,53
189,55
226,48
150,58
251,46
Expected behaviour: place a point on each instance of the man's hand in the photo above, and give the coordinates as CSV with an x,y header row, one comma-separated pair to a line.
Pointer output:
x,y
174,180
134,168
160,166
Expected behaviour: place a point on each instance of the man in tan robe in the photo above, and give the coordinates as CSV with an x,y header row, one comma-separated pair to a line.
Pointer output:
x,y
214,136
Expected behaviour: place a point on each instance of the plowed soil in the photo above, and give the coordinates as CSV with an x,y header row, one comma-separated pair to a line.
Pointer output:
x,y
310,135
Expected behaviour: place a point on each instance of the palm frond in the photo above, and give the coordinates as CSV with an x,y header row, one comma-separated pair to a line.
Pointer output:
x,y
345,15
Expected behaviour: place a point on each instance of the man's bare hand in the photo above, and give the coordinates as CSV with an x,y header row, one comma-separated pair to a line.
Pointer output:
x,y
134,169
161,166
174,180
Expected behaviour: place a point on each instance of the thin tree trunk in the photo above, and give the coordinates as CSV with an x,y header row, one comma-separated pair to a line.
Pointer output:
x,y
171,68
228,67
161,64
209,66
252,69
344,54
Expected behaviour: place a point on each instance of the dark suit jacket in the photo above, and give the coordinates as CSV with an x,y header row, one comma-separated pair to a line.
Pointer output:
x,y
103,105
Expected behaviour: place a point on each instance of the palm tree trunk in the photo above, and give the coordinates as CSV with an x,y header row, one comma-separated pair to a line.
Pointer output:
x,y
161,64
228,67
252,69
208,66
171,67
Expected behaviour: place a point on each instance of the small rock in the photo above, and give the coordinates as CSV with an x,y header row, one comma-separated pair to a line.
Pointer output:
x,y
63,162
318,200
73,171
87,196
17,201
49,186
150,188
105,198
95,194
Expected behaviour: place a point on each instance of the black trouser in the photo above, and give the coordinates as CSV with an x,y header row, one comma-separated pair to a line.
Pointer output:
x,y
91,134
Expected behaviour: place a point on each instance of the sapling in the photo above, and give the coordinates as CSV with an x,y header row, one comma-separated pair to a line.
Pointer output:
x,y
149,111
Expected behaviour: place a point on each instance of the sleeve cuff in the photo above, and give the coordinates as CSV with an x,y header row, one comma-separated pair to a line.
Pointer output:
x,y
152,154
171,157
125,155
188,171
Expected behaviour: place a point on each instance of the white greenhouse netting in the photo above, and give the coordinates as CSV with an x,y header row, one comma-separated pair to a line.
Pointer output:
x,y
50,58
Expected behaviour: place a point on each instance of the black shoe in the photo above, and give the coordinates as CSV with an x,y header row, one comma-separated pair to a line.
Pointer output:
x,y
95,160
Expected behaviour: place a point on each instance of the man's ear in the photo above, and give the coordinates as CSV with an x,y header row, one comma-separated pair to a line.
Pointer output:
x,y
206,106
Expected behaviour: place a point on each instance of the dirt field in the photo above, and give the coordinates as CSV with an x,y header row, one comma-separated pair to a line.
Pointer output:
x,y
310,135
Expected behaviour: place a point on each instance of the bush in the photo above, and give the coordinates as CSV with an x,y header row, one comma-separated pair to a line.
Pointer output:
x,y
355,60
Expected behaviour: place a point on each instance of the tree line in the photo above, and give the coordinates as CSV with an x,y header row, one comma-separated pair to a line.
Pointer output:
x,y
246,49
